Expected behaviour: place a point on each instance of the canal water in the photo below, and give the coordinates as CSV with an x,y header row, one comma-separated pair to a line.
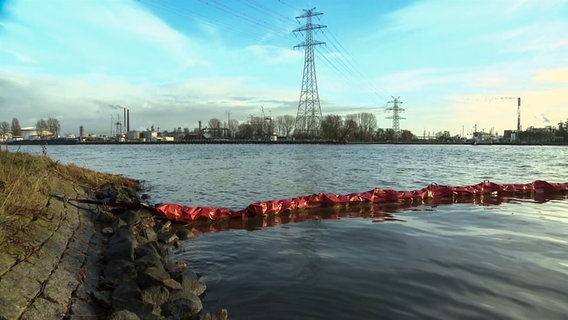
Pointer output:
x,y
502,259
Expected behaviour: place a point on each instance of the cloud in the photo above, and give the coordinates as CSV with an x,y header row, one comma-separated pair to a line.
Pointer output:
x,y
107,37
274,55
557,75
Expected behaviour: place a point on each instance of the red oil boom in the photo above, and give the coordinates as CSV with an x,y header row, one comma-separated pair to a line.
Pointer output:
x,y
425,195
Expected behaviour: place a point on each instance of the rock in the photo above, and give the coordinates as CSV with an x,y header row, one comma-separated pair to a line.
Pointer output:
x,y
130,217
219,315
189,285
126,290
163,226
118,271
103,298
108,231
183,308
155,276
156,295
106,217
184,234
121,245
148,257
172,284
148,234
168,237
123,315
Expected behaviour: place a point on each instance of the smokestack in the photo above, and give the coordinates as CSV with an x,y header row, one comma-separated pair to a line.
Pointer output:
x,y
124,119
519,114
127,120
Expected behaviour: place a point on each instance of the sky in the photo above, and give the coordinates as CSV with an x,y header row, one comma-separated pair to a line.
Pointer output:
x,y
455,65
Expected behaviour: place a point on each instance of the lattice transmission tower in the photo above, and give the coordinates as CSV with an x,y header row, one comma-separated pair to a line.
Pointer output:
x,y
396,110
308,119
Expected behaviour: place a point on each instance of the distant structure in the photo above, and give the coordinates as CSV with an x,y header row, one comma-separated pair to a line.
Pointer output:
x,y
518,114
396,110
308,119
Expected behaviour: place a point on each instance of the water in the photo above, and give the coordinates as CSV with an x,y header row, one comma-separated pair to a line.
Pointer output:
x,y
459,261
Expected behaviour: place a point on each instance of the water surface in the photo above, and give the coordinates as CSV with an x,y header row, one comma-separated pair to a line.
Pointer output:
x,y
507,260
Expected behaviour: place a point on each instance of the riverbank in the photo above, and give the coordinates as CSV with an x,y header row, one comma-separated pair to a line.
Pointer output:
x,y
71,247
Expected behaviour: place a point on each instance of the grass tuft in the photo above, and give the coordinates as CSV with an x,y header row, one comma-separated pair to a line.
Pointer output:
x,y
27,181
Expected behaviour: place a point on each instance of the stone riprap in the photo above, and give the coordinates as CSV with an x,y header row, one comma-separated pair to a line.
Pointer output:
x,y
88,262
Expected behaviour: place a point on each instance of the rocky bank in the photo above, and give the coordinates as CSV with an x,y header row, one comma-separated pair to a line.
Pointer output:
x,y
98,261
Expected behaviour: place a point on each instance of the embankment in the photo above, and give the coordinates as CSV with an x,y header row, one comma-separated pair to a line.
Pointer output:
x,y
63,257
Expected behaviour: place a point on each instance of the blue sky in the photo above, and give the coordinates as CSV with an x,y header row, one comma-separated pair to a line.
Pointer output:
x,y
173,63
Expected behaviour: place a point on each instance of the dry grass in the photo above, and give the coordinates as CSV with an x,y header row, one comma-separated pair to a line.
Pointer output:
x,y
26,182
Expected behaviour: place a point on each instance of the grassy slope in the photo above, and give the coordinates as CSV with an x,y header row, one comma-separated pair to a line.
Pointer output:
x,y
26,182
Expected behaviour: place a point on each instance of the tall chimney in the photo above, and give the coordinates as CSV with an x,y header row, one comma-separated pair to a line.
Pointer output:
x,y
123,120
519,114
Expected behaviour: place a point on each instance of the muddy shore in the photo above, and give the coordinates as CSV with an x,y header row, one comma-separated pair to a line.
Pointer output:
x,y
98,261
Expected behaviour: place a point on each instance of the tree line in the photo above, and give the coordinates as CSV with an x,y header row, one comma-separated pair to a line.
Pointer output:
x,y
357,127
44,128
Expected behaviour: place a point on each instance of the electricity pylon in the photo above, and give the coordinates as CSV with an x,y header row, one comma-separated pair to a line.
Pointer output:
x,y
308,119
396,110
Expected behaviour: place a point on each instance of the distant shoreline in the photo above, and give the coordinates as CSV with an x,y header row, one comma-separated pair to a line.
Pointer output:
x,y
281,142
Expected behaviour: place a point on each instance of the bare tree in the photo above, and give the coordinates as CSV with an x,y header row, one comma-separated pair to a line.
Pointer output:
x,y
245,131
4,129
285,124
331,127
42,128
16,129
367,124
215,126
350,129
53,126
233,127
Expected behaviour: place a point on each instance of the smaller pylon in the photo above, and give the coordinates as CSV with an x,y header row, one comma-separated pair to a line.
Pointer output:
x,y
396,110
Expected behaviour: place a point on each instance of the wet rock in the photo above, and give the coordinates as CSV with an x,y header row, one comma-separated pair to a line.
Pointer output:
x,y
219,315
183,308
163,226
154,276
189,285
168,237
184,234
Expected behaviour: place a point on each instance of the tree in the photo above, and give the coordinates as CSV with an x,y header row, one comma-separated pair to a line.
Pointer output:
x,y
42,127
245,131
285,124
53,126
389,134
349,130
16,129
4,129
367,124
331,126
215,126
406,136
233,127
